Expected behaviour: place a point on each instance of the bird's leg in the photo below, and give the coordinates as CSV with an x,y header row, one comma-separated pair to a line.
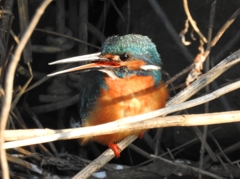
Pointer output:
x,y
115,149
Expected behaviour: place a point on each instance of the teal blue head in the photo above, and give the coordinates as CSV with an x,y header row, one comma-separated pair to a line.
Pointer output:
x,y
136,54
132,47
122,56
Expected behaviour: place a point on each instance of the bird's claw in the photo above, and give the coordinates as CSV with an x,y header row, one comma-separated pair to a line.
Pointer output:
x,y
116,149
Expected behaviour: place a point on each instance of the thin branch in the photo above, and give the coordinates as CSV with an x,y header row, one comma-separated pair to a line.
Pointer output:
x,y
82,26
211,22
183,33
22,91
220,149
138,122
128,15
207,67
9,83
221,31
160,13
39,125
193,23
47,135
225,27
45,78
67,37
207,78
184,71
117,10
25,164
225,168
206,146
200,58
56,105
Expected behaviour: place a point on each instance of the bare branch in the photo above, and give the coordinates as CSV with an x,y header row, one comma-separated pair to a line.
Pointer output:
x,y
201,57
9,83
193,23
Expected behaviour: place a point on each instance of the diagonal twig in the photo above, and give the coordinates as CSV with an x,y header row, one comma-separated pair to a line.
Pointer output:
x,y
207,67
201,57
193,23
9,83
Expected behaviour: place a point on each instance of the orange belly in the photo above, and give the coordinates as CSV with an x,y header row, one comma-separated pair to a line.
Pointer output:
x,y
125,97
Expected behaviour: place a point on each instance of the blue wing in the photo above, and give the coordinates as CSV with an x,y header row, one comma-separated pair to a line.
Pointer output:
x,y
90,85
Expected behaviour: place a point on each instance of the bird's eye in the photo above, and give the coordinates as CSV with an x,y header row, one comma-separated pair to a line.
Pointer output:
x,y
124,57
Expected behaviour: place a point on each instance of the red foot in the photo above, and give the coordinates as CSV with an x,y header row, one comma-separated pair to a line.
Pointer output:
x,y
141,135
115,149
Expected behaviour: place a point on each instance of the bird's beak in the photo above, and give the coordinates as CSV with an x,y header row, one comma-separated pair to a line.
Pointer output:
x,y
98,63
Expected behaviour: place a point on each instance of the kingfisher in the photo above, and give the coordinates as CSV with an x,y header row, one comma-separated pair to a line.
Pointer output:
x,y
122,80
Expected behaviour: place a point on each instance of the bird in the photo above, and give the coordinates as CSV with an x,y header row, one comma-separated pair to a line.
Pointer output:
x,y
123,79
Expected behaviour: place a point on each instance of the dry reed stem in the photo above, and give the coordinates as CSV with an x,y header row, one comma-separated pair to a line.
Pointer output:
x,y
119,126
130,123
9,83
201,57
193,22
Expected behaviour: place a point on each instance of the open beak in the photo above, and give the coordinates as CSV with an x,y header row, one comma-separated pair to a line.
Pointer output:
x,y
103,63
98,63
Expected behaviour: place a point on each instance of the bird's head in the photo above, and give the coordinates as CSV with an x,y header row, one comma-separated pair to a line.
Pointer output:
x,y
121,56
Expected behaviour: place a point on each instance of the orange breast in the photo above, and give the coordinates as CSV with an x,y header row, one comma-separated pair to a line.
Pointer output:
x,y
125,97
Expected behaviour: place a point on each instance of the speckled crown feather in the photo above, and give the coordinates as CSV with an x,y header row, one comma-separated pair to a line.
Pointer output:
x,y
136,46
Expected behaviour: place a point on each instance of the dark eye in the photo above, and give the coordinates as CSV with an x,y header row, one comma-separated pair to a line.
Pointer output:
x,y
124,57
